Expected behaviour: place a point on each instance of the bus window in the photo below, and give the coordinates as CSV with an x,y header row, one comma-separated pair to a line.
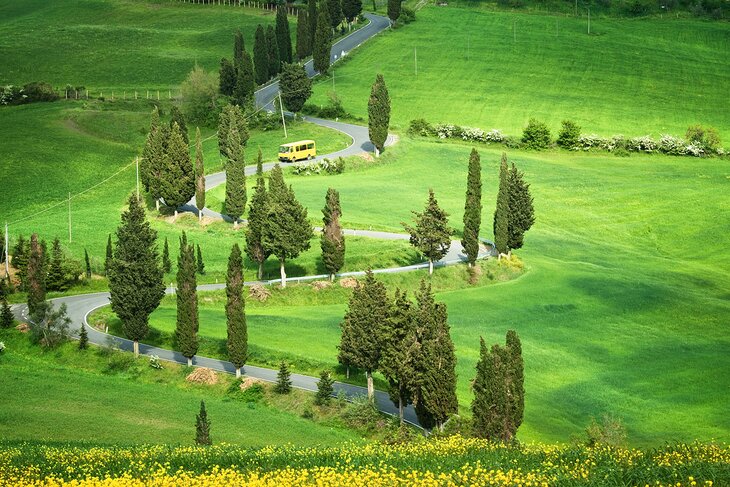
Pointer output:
x,y
310,145
284,148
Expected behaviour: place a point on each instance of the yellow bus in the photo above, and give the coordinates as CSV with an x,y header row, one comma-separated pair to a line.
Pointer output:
x,y
303,149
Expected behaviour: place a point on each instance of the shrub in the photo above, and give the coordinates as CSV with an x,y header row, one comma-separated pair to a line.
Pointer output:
x,y
672,145
324,388
307,168
420,127
2,347
512,142
569,134
119,362
39,91
407,15
705,137
536,135
200,97
155,362
641,144
609,432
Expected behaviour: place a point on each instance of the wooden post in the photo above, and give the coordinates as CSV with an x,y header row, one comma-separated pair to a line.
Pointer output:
x,y
158,95
148,94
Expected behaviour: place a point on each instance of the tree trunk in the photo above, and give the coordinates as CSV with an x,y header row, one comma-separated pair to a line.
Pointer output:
x,y
190,361
238,372
377,152
371,387
332,278
200,215
260,273
157,204
174,218
235,224
400,408
283,273
348,372
430,267
136,349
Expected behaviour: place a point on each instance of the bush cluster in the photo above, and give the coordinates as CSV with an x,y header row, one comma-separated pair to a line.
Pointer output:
x,y
28,93
307,168
536,135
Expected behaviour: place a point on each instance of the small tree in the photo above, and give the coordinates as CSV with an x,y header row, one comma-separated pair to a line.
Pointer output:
x,y
431,234
325,388
235,177
231,117
177,184
200,96
378,114
202,427
705,137
109,255
83,338
36,277
351,9
176,117
569,134
521,210
200,265
19,261
335,11
237,343
333,239
322,42
49,327
283,36
488,395
472,209
226,77
166,262
394,10
501,213
283,379
87,262
186,329
304,47
238,48
295,86
273,52
257,214
152,152
261,56
536,135
6,314
199,175
56,279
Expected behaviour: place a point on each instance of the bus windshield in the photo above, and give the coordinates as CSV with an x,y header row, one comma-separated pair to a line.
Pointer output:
x,y
284,148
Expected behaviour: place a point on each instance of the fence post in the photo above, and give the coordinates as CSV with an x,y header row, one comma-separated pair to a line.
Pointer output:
x,y
135,94
148,94
112,96
87,94
158,95
169,94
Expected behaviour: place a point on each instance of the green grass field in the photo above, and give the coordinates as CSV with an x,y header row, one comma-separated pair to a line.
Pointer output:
x,y
633,77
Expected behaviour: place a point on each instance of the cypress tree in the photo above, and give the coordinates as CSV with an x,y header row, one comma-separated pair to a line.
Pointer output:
x,y
83,338
303,35
425,330
202,427
325,388
135,276
19,260
351,9
322,44
273,52
283,35
45,260
177,184
226,77
431,234
378,114
152,151
246,83
295,86
2,247
186,329
199,175
166,262
516,381
237,342
393,10
333,239
200,265
56,279
231,116
257,214
486,422
260,56
109,255
286,232
521,210
238,48
235,177
472,209
346,347
88,264
36,278
366,315
283,379
501,213
177,117
158,164
6,314
312,16
335,11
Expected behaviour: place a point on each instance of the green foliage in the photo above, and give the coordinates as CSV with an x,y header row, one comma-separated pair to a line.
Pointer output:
x,y
261,56
238,49
237,342
199,173
20,257
283,36
283,379
56,278
325,388
536,135
333,240
501,213
202,427
226,77
177,181
49,327
176,117
135,276
36,278
109,256
272,52
295,86
569,134
431,234
199,93
335,10
322,44
186,331
243,92
516,384
231,117
304,35
407,15
257,214
235,176
394,7
351,9
609,431
6,314
472,208
83,338
152,154
312,19
705,137
378,113
87,264
166,262
521,210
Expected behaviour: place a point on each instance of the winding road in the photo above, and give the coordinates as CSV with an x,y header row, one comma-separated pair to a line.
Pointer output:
x,y
79,307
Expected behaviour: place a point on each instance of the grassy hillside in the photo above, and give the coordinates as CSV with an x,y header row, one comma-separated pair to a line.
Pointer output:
x,y
631,77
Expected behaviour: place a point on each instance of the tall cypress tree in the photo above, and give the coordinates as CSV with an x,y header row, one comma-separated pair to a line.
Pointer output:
x,y
199,264
286,231
346,347
516,381
486,423
273,52
186,329
521,210
237,342
88,264
501,213
177,117
202,427
303,35
312,16
367,313
335,11
378,114
199,175
322,44
226,77
295,86
257,214
177,184
238,48
36,278
109,255
351,9
425,317
243,91
333,240
19,259
231,116
135,276
235,177
472,209
283,35
166,262
152,151
431,234
260,56
158,164
394,10
56,279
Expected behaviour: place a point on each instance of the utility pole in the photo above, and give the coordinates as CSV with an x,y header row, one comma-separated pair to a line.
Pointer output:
x,y
7,259
136,161
281,108
333,78
69,216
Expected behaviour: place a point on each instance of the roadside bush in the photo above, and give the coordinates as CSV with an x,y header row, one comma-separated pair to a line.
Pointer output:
x,y
308,168
609,431
536,135
641,144
119,362
512,142
569,134
705,137
407,15
672,145
199,93
39,91
49,328
420,126
155,362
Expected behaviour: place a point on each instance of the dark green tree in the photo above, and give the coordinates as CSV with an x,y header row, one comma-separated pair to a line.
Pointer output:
x,y
238,48
226,77
199,175
6,314
325,388
109,255
304,48
425,317
245,83
19,260
286,232
202,427
488,395
261,56
516,381
83,338
235,177
177,184
295,86
135,276
152,152
166,262
157,164
186,329
569,134
231,116
351,9
536,135
431,234
283,35
56,278
322,44
283,379
501,213
36,286
273,52
335,11
200,265
521,210
472,209
237,343
177,117
367,314
87,263
312,16
45,259
394,10
333,239
257,214
378,114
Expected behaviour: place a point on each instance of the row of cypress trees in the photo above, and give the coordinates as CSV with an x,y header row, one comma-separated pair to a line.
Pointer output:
x,y
57,271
